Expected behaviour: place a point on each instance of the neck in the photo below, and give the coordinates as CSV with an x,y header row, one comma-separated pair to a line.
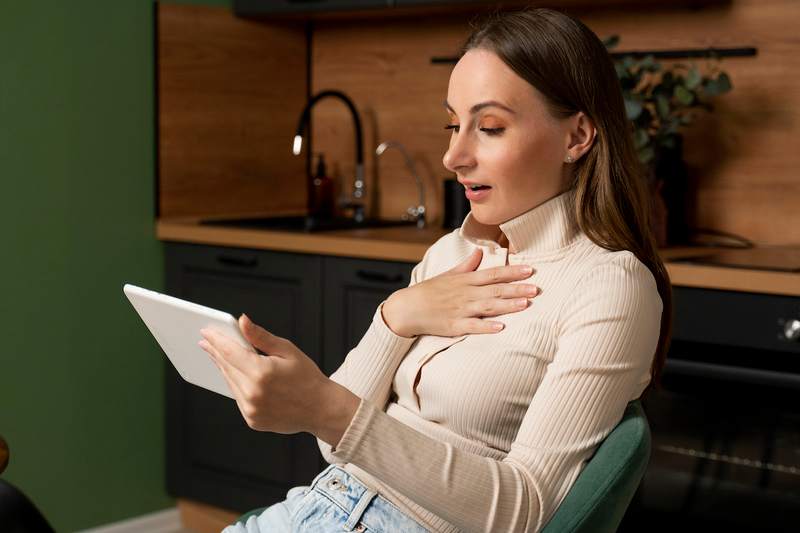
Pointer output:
x,y
502,240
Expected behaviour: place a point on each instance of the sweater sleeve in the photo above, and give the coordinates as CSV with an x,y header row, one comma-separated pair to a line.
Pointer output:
x,y
369,368
608,334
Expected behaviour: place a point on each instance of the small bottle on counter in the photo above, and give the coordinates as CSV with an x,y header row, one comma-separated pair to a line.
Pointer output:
x,y
321,193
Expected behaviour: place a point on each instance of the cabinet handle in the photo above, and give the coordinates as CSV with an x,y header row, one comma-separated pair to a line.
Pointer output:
x,y
246,262
379,276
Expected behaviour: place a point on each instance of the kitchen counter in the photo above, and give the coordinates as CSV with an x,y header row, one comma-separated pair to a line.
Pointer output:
x,y
408,244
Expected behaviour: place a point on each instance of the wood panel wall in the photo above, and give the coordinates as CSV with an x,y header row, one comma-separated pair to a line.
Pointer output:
x,y
230,91
742,157
226,127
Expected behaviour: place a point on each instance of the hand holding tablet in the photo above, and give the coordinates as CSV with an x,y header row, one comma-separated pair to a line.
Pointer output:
x,y
176,326
282,391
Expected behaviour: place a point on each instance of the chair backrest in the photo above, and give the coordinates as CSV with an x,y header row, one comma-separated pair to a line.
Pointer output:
x,y
600,496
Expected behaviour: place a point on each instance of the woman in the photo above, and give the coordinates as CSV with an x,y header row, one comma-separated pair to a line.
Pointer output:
x,y
436,421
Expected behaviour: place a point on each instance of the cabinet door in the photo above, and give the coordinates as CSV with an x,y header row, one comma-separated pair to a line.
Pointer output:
x,y
212,455
353,290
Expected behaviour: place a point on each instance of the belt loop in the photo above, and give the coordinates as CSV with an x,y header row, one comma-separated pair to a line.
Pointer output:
x,y
320,476
358,510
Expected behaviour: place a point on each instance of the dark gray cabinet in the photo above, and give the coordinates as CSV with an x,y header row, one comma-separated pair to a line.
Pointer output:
x,y
323,304
353,290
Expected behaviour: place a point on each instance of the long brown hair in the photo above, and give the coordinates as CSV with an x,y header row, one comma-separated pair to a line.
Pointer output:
x,y
569,65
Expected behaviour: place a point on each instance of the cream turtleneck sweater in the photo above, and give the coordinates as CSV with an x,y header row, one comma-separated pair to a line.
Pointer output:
x,y
488,432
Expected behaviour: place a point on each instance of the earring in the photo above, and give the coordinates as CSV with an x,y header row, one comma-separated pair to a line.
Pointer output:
x,y
569,159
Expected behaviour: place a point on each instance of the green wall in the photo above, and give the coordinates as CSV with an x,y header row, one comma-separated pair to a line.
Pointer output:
x,y
81,393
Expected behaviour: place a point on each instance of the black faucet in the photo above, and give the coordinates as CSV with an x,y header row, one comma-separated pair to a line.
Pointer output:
x,y
359,187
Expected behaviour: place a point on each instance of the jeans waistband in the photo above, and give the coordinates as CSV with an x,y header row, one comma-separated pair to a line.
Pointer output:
x,y
354,498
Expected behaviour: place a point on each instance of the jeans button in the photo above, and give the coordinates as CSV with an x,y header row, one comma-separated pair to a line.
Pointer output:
x,y
360,527
334,483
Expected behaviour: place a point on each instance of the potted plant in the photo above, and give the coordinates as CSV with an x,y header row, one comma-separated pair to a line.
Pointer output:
x,y
660,102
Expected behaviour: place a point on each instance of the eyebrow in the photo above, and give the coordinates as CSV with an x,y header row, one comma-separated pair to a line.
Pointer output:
x,y
477,107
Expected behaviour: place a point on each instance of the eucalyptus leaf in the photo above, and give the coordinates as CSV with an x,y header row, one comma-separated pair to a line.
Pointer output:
x,y
693,78
724,82
646,154
649,63
633,108
611,41
657,105
628,62
683,95
712,88
669,142
640,138
662,104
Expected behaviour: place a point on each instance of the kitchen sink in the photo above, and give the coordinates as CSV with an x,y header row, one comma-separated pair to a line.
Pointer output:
x,y
306,224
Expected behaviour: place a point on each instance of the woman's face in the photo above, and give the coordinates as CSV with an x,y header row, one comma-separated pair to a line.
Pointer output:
x,y
503,137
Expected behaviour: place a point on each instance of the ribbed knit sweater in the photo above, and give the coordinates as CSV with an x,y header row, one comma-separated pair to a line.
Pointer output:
x,y
488,432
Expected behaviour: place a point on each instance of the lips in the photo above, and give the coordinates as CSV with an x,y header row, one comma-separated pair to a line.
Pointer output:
x,y
470,185
477,195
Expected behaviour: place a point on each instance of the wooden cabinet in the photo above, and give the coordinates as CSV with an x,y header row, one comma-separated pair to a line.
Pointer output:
x,y
323,304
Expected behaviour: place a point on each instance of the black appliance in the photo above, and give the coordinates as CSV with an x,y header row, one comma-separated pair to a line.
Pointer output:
x,y
726,426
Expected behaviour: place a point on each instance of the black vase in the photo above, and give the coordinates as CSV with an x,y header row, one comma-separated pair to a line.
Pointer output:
x,y
670,168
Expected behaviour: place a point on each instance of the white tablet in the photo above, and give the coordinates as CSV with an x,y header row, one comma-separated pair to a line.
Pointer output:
x,y
176,325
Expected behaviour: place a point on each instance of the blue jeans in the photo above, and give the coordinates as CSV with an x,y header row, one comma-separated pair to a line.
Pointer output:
x,y
335,501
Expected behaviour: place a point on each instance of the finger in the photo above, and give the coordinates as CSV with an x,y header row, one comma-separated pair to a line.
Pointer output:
x,y
478,325
500,274
236,389
469,264
231,351
227,371
495,306
507,290
262,339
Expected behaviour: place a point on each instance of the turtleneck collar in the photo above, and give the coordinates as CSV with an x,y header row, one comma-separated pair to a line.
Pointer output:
x,y
547,227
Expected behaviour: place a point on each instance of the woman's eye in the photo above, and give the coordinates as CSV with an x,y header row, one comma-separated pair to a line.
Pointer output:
x,y
487,131
493,131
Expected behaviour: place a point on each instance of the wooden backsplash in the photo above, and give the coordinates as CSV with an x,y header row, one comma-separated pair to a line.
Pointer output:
x,y
228,94
742,157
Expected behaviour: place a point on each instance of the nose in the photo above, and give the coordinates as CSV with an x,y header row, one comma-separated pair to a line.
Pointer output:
x,y
460,155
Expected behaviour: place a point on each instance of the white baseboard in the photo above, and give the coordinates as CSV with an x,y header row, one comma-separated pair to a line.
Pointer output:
x,y
166,521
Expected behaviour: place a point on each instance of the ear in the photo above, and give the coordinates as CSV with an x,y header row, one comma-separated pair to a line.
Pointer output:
x,y
580,135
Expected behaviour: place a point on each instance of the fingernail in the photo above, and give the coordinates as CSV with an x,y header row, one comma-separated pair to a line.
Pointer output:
x,y
522,303
497,326
526,270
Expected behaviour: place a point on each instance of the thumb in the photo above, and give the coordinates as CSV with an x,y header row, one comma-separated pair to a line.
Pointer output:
x,y
469,264
259,337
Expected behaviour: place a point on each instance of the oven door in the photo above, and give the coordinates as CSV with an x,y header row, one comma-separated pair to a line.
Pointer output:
x,y
725,427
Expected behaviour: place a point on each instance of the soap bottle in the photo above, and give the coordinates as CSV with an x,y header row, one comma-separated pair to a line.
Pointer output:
x,y
321,193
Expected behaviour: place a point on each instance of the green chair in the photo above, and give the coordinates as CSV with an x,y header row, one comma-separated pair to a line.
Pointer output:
x,y
600,496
